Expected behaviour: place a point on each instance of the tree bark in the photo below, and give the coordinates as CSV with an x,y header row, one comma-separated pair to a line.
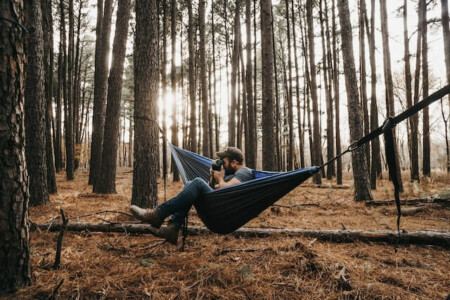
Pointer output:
x,y
175,102
232,138
69,133
390,112
408,79
107,177
446,36
375,169
336,96
415,117
14,195
290,159
267,57
146,147
47,28
102,32
426,159
359,163
204,86
250,151
313,88
192,125
35,108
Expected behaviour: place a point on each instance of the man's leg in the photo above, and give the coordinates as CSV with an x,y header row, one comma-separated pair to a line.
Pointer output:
x,y
180,205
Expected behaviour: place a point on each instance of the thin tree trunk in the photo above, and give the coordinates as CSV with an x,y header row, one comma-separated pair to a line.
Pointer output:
x,y
146,147
70,155
107,177
408,79
35,108
234,81
415,117
289,96
297,90
267,57
277,99
375,169
363,80
47,28
336,97
175,101
250,150
426,161
390,112
64,70
446,36
192,126
328,96
103,32
204,87
15,260
359,163
313,88
58,133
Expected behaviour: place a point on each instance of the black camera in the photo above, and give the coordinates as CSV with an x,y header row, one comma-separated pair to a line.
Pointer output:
x,y
217,165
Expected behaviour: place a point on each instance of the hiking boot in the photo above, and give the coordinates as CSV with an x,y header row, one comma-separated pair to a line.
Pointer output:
x,y
147,215
170,233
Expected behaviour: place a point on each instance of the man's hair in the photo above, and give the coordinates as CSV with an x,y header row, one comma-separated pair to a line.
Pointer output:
x,y
232,153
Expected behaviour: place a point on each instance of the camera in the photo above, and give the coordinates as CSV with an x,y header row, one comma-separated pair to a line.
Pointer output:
x,y
216,166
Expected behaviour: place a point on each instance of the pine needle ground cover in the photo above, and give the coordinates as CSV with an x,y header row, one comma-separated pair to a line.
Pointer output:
x,y
130,266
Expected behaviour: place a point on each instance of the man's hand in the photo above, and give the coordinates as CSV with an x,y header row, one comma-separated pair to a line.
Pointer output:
x,y
218,175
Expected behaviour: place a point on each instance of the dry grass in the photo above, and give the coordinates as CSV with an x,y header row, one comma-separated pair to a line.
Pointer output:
x,y
109,265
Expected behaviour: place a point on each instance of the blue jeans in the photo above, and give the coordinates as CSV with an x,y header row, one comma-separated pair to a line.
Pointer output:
x,y
180,205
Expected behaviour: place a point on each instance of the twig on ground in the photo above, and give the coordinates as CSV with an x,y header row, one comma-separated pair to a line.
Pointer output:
x,y
103,212
55,290
60,240
440,201
225,251
296,205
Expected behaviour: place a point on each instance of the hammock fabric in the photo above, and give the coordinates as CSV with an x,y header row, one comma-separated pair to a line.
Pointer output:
x,y
227,209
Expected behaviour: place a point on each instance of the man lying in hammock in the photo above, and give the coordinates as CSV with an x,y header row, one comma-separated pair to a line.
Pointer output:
x,y
232,162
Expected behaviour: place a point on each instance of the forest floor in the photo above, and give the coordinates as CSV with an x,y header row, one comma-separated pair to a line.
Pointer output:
x,y
115,265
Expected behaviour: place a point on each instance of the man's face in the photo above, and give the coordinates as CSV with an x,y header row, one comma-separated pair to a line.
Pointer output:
x,y
229,165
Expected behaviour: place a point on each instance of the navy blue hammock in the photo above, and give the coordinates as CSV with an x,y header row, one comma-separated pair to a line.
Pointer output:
x,y
227,209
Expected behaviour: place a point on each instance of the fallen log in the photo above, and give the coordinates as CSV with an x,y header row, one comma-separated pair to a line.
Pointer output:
x,y
428,237
440,201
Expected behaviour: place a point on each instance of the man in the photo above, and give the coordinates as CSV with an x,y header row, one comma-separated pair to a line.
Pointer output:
x,y
235,172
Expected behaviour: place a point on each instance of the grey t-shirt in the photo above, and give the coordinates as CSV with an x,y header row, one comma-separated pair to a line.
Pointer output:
x,y
243,174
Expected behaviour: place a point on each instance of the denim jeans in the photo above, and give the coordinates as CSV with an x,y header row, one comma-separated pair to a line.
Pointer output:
x,y
180,205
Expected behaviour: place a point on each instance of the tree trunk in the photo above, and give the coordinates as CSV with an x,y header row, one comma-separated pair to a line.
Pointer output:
x,y
328,96
250,150
277,98
47,28
70,100
336,96
297,91
192,125
64,68
173,71
76,91
146,147
363,80
58,133
313,88
415,117
359,163
375,169
267,57
446,35
102,33
204,86
390,112
426,117
408,79
232,138
14,237
35,108
107,176
289,96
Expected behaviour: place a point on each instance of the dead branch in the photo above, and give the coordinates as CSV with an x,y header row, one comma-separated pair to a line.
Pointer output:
x,y
103,212
60,240
296,205
425,237
441,201
55,290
